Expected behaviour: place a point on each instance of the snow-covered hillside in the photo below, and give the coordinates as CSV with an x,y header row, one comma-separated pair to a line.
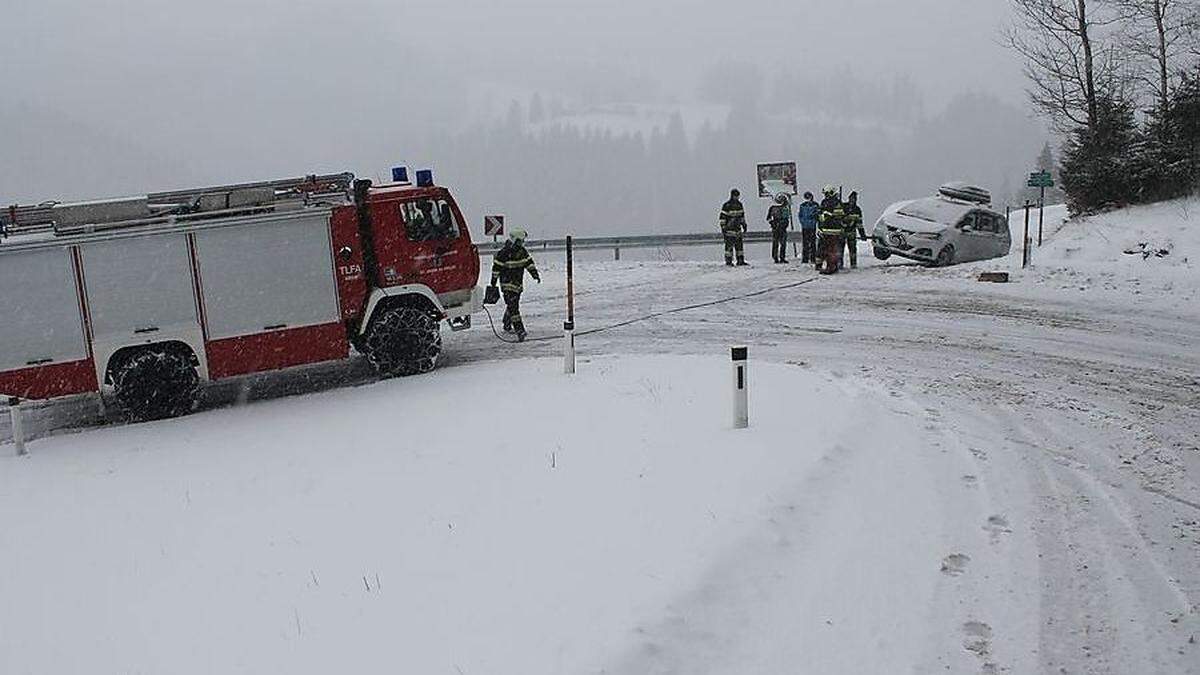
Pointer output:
x,y
1148,250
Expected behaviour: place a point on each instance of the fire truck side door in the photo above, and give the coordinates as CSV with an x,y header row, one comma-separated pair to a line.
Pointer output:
x,y
432,247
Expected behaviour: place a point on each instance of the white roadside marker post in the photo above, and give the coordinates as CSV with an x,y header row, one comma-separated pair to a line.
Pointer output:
x,y
741,409
569,324
569,347
18,428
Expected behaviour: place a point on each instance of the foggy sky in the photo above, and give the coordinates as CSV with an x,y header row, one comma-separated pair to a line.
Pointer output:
x,y
944,45
226,89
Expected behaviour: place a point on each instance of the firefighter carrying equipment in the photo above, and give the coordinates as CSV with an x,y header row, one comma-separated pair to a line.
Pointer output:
x,y
508,269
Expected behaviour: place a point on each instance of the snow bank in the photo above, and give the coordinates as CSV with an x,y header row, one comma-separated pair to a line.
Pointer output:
x,y
1106,251
1149,255
498,518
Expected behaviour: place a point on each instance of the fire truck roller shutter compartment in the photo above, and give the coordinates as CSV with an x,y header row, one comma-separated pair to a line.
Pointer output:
x,y
40,321
270,295
140,290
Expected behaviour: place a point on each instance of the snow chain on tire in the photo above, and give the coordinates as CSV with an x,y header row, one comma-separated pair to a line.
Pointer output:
x,y
156,384
403,341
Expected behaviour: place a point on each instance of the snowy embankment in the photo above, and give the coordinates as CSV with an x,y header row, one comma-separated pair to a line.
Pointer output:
x,y
1144,254
497,518
1149,251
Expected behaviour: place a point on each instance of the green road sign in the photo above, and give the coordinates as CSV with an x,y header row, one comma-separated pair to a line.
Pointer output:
x,y
1041,179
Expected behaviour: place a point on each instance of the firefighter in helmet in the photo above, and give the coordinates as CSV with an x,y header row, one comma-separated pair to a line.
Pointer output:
x,y
508,269
733,227
831,229
854,227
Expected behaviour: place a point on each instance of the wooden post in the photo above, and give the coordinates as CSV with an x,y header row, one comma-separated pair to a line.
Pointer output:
x,y
1025,240
1041,215
570,279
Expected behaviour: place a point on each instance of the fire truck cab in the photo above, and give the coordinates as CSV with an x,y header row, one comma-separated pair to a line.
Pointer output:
x,y
152,295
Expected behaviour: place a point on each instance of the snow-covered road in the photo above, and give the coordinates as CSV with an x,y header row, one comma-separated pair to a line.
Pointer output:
x,y
1075,421
1054,501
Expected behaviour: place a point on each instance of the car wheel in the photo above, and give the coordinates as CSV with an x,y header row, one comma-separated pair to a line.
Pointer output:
x,y
403,341
946,257
882,254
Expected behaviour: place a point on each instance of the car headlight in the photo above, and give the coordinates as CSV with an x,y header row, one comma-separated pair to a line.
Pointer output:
x,y
929,235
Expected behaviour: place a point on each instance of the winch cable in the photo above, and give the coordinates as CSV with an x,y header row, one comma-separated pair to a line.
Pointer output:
x,y
655,315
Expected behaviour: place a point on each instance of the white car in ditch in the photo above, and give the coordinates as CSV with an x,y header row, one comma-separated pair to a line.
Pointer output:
x,y
956,225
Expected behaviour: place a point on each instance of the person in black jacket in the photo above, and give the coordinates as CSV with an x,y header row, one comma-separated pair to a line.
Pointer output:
x,y
508,269
779,216
733,227
854,227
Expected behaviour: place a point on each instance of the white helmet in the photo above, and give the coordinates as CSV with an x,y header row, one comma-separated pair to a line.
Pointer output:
x,y
829,190
518,235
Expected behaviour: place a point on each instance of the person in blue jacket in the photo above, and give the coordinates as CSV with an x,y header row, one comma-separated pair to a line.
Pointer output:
x,y
807,215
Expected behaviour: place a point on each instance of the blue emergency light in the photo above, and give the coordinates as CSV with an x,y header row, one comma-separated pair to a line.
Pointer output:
x,y
425,178
399,174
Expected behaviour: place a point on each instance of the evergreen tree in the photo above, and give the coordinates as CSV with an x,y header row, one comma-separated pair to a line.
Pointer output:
x,y
1185,123
1168,150
1098,169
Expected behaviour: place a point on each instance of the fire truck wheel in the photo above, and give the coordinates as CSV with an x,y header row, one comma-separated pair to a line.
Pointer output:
x,y
403,341
156,384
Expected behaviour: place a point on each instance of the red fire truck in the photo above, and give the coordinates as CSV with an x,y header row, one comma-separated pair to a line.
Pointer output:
x,y
149,296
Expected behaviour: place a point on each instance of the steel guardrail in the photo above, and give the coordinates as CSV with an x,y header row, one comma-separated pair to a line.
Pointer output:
x,y
620,242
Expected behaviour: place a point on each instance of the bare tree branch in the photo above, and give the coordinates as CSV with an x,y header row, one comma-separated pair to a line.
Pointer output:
x,y
1066,60
1157,35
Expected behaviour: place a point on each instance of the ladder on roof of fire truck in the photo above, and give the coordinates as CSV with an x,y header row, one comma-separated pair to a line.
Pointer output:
x,y
175,207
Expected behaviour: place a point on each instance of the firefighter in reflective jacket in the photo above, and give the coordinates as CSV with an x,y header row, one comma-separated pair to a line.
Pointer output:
x,y
831,229
508,269
854,227
733,227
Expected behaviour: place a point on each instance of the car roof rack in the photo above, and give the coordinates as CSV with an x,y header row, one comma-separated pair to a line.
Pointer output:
x,y
965,192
